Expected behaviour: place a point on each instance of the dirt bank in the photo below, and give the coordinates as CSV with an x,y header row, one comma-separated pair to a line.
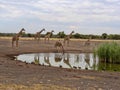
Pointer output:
x,y
15,73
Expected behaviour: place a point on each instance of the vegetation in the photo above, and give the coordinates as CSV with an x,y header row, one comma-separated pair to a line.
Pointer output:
x,y
104,36
76,35
108,52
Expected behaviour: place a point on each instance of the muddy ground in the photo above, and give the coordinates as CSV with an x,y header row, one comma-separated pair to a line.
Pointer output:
x,y
16,75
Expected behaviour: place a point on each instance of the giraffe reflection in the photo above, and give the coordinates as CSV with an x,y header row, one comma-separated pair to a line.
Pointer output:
x,y
58,57
36,59
47,60
66,60
87,60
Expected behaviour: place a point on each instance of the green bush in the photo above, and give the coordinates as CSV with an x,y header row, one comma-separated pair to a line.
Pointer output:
x,y
108,52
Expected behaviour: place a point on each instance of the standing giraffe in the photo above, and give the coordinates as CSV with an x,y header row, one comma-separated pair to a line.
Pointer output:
x,y
67,38
48,35
15,38
38,34
87,43
59,47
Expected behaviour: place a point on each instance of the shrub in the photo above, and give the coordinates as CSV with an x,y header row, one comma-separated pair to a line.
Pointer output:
x,y
109,52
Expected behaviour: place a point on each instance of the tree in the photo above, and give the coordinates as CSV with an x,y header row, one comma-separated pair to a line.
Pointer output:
x,y
61,34
104,35
76,35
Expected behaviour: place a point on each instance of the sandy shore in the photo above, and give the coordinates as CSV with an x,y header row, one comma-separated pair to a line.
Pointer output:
x,y
21,76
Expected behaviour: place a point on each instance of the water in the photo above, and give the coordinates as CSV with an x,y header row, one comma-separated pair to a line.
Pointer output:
x,y
84,61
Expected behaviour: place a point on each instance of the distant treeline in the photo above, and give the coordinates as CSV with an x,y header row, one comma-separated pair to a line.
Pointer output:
x,y
76,35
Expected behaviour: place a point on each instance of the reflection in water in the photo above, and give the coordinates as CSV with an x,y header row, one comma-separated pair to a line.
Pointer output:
x,y
46,59
87,60
58,57
36,59
68,60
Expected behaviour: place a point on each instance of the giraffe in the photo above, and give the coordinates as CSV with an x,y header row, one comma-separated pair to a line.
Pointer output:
x,y
15,38
67,38
59,47
48,35
38,34
87,43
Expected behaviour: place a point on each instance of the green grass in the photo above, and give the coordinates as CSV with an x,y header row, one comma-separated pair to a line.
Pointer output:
x,y
108,52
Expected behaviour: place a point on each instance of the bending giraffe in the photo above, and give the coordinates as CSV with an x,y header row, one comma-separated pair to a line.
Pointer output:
x,y
48,35
67,38
38,34
15,38
59,47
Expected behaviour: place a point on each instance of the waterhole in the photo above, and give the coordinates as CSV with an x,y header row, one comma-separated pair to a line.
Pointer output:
x,y
83,61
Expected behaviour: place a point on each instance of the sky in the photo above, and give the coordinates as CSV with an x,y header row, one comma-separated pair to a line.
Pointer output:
x,y
82,16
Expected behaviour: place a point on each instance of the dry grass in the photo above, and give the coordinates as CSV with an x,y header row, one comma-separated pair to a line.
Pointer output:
x,y
31,38
33,87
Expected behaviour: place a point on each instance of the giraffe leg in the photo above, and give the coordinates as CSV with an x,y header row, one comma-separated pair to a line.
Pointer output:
x,y
12,43
39,38
45,39
16,43
48,39
62,49
64,41
35,37
68,42
57,49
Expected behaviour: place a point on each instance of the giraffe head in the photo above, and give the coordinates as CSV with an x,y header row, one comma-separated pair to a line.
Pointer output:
x,y
52,31
72,32
43,29
22,31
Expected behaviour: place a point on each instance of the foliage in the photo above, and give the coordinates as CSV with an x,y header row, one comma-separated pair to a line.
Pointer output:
x,y
109,52
61,34
76,35
114,36
104,35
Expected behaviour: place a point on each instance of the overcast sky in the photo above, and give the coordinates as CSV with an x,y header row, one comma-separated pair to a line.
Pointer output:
x,y
82,16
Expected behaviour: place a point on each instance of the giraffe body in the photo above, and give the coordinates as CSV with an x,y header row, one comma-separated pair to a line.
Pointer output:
x,y
59,47
15,38
67,38
48,35
38,34
87,43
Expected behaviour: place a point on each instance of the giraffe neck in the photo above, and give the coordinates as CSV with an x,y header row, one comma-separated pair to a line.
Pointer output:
x,y
41,31
50,33
70,34
20,33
